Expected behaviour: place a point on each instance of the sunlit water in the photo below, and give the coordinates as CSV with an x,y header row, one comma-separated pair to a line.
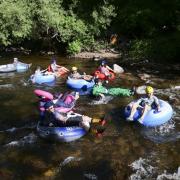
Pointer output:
x,y
125,151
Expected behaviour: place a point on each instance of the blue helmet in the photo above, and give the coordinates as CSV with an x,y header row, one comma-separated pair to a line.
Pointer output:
x,y
53,61
103,62
96,80
48,104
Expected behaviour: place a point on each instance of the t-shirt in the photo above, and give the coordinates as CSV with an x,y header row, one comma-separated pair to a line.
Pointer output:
x,y
76,76
149,100
53,67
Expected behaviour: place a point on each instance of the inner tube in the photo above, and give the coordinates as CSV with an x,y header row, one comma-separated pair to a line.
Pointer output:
x,y
102,76
43,78
79,83
152,118
45,94
61,134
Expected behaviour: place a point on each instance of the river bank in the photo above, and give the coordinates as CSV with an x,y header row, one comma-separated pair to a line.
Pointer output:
x,y
97,55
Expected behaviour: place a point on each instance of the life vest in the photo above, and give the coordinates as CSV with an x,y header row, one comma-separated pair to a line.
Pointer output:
x,y
49,68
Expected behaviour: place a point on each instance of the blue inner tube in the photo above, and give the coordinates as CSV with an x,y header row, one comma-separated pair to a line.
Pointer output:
x,y
61,134
79,83
22,66
7,68
43,78
152,118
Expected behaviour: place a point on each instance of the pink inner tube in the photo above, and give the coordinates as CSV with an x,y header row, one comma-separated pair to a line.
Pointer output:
x,y
46,94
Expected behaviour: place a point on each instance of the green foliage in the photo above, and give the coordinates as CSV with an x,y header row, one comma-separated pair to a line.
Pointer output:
x,y
159,48
140,49
86,24
15,21
101,17
74,47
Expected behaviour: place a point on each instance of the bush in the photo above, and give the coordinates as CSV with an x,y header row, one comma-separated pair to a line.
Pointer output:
x,y
160,48
140,49
74,47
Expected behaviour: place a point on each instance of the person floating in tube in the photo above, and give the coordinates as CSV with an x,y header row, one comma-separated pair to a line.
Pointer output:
x,y
105,69
147,103
100,90
53,118
76,75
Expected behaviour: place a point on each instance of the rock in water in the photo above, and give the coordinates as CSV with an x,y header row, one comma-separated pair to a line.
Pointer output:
x,y
141,90
118,69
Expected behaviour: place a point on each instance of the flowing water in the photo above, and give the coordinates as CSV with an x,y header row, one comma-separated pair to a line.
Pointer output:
x,y
125,151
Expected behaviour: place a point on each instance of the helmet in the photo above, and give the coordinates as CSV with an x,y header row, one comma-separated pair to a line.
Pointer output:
x,y
74,68
53,61
149,90
48,104
103,62
96,80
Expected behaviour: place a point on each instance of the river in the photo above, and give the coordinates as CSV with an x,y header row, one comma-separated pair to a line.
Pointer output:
x,y
125,151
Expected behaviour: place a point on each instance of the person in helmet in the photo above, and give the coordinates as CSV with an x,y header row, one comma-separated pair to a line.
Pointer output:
x,y
105,69
15,60
147,103
76,75
54,118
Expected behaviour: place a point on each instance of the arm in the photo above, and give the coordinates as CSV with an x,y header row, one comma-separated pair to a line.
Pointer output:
x,y
110,69
44,70
60,117
156,101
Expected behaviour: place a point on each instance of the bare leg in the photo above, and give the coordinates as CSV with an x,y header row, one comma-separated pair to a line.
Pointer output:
x,y
133,110
146,109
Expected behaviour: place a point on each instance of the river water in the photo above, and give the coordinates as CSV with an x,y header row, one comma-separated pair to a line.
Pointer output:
x,y
125,151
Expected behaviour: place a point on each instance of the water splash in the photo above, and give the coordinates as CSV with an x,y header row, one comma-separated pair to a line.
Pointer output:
x,y
142,168
29,139
102,100
14,129
163,133
90,176
8,86
68,160
145,171
174,176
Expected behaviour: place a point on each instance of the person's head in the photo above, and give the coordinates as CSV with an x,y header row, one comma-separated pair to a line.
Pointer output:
x,y
38,68
149,90
75,94
15,60
53,61
103,62
98,81
49,106
74,69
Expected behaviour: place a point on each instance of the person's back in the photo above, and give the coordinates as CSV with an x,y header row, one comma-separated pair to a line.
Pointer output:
x,y
98,88
68,101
